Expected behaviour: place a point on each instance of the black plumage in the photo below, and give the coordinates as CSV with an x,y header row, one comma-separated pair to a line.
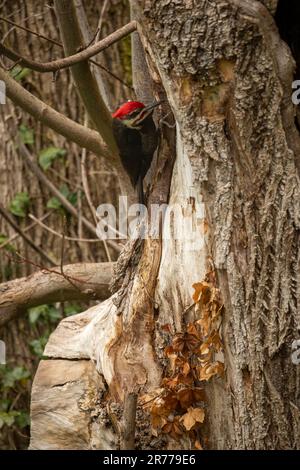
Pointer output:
x,y
136,147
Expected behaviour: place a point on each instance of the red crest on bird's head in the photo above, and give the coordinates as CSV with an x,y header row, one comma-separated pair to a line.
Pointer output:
x,y
127,108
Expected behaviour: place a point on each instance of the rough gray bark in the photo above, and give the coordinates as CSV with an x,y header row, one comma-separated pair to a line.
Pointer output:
x,y
228,76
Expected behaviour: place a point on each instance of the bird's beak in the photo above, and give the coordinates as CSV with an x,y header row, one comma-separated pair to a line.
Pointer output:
x,y
147,111
151,107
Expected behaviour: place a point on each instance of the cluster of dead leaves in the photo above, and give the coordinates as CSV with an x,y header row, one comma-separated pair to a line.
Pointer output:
x,y
177,407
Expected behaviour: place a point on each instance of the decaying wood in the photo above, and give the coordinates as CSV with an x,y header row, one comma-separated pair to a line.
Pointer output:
x,y
83,419
77,282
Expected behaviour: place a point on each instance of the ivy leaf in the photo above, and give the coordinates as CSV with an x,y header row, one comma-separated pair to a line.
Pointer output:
x,y
26,134
7,418
22,419
19,205
5,404
71,309
192,417
49,155
17,374
38,345
54,202
35,312
53,314
44,312
18,72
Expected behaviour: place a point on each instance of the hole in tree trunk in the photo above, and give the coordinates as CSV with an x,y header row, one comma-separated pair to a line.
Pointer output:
x,y
287,18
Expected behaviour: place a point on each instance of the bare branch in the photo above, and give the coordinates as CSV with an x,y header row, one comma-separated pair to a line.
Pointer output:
x,y
91,282
129,422
28,240
56,43
30,31
74,132
85,29
30,226
57,234
74,59
84,79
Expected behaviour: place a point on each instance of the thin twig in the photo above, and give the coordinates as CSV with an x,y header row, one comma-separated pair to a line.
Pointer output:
x,y
44,268
41,36
56,43
66,204
129,422
50,117
16,235
74,59
98,32
57,234
28,240
88,196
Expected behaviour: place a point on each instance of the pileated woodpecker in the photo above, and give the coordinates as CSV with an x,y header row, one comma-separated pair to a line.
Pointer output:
x,y
137,140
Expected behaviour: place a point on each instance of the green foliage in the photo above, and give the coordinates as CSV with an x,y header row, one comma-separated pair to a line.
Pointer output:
x,y
72,309
48,316
37,346
13,381
26,135
49,155
20,418
54,202
46,313
18,72
20,204
10,376
8,247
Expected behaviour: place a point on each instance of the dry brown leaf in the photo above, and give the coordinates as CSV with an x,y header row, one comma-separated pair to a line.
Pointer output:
x,y
202,291
192,417
173,427
209,370
184,342
205,323
162,406
186,368
158,422
193,330
216,341
189,396
177,381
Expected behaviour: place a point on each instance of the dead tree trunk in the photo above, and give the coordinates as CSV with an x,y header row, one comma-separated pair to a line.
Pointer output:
x,y
228,79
